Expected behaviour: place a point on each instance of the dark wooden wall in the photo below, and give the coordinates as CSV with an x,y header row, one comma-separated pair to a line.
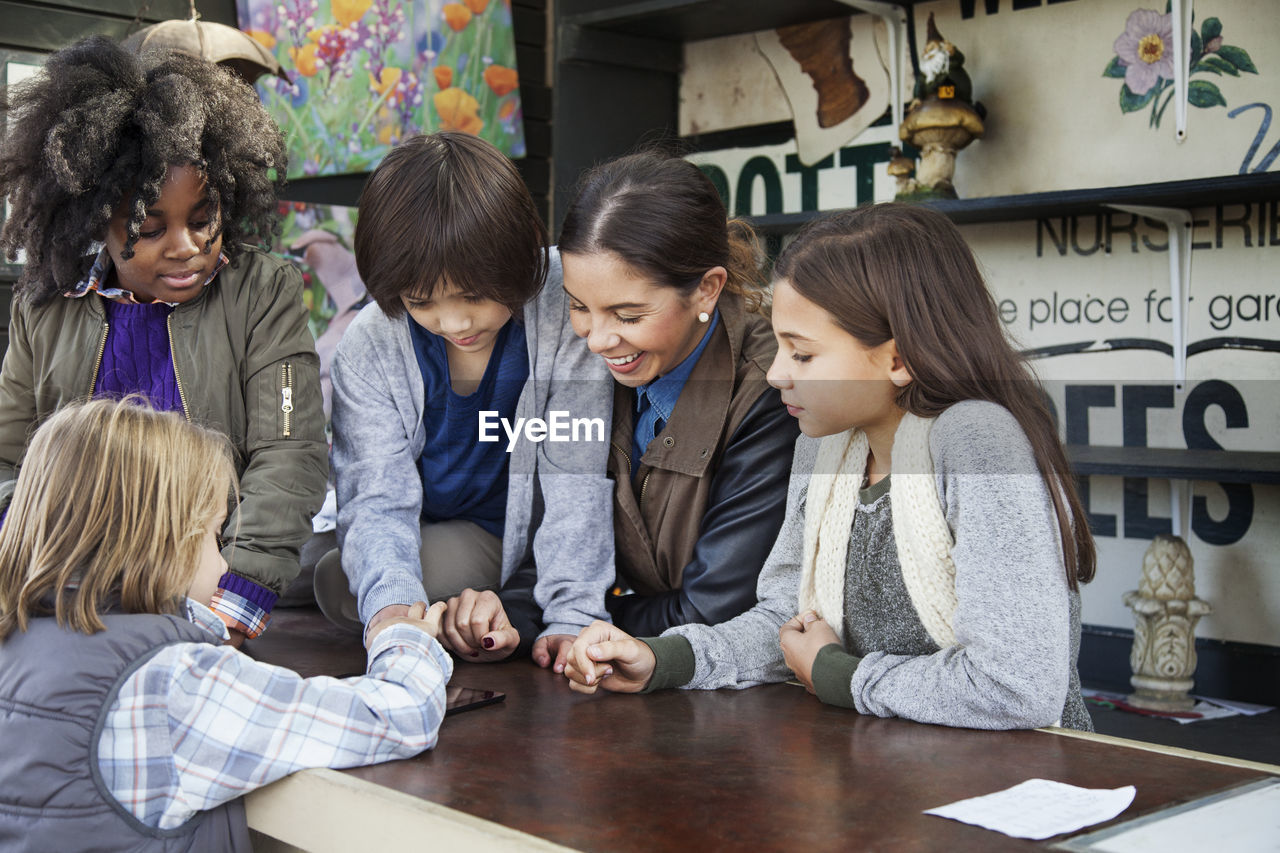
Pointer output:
x,y
43,26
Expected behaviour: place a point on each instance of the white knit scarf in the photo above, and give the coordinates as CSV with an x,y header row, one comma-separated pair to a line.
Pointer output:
x,y
919,528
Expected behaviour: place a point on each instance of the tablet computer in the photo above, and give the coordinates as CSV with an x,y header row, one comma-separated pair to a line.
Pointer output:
x,y
459,699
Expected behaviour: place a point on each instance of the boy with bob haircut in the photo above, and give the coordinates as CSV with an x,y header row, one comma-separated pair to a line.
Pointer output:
x,y
455,257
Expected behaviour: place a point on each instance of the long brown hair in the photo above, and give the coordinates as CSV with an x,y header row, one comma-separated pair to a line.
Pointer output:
x,y
666,220
111,505
904,272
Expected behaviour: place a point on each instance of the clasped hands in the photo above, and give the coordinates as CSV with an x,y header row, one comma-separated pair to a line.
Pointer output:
x,y
605,656
474,626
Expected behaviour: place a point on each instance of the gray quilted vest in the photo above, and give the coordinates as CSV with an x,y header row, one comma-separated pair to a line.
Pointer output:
x,y
55,687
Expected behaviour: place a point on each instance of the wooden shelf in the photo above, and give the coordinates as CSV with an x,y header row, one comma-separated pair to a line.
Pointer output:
x,y
1203,192
1220,466
692,20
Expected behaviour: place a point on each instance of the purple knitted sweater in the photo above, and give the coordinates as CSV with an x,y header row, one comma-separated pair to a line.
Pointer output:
x,y
137,356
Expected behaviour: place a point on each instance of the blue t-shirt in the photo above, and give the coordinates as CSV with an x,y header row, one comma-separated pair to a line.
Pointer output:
x,y
463,477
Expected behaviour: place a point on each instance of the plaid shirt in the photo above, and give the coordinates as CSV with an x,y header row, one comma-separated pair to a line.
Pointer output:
x,y
199,724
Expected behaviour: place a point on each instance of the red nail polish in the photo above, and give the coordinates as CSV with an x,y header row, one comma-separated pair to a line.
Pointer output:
x,y
487,642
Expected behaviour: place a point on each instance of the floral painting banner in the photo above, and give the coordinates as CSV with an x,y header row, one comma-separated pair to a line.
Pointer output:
x,y
364,74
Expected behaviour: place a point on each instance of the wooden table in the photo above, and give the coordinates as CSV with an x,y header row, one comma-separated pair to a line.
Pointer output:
x,y
769,768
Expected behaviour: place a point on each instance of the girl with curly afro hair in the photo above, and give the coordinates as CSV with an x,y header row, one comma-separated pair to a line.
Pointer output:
x,y
136,188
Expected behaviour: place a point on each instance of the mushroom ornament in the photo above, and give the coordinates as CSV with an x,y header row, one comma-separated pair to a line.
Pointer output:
x,y
941,119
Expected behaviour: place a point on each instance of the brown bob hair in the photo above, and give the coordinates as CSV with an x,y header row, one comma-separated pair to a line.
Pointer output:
x,y
664,218
110,509
904,272
449,207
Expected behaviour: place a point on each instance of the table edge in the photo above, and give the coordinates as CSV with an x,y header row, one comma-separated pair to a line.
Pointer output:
x,y
1176,751
375,816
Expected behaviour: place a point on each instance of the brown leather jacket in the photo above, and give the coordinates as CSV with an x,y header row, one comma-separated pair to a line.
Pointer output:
x,y
693,526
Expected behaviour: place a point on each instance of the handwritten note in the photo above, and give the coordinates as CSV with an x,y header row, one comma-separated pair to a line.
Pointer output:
x,y
1039,808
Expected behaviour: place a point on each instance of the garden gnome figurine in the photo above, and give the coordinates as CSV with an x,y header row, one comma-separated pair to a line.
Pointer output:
x,y
942,118
1165,611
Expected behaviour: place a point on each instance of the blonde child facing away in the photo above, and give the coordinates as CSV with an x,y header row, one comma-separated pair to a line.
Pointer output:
x,y
928,567
127,724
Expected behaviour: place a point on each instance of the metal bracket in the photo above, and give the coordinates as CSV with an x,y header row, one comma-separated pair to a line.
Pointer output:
x,y
1181,13
1178,221
895,18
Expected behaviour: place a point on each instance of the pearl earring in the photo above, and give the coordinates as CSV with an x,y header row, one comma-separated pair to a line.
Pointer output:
x,y
703,316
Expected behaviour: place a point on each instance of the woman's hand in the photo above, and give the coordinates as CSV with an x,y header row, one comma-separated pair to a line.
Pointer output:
x,y
419,616
476,627
801,637
604,656
553,647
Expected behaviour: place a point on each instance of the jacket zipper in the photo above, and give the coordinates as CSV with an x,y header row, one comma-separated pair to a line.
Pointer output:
x,y
97,363
644,484
286,398
626,456
177,377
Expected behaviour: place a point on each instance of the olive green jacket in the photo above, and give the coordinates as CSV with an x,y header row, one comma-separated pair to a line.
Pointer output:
x,y
246,366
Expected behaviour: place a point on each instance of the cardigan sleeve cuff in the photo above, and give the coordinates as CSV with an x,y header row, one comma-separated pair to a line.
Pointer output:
x,y
243,605
833,675
675,662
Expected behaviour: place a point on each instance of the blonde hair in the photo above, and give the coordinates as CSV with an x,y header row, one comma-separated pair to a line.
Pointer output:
x,y
110,509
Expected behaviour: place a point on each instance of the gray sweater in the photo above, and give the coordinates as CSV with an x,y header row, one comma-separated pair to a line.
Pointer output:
x,y
1017,624
559,500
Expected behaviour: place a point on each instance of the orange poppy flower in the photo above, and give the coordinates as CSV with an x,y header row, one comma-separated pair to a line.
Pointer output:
x,y
444,76
507,108
501,80
347,12
314,35
262,37
477,7
458,111
304,59
456,16
389,78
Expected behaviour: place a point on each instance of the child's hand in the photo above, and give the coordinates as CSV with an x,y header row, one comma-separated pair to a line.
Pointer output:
x,y
419,616
801,638
391,611
604,656
553,647
476,627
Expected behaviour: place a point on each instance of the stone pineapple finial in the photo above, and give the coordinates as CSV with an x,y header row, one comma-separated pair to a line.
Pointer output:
x,y
1165,611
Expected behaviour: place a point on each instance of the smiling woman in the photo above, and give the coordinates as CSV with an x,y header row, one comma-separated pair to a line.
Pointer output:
x,y
666,293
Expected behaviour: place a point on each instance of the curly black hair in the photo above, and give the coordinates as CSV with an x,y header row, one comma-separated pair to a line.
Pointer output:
x,y
99,127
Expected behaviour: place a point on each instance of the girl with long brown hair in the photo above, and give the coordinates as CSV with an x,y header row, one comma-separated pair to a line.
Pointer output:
x,y
929,564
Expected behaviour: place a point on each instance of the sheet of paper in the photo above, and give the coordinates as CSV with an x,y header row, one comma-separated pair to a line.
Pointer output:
x,y
1039,808
1240,707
